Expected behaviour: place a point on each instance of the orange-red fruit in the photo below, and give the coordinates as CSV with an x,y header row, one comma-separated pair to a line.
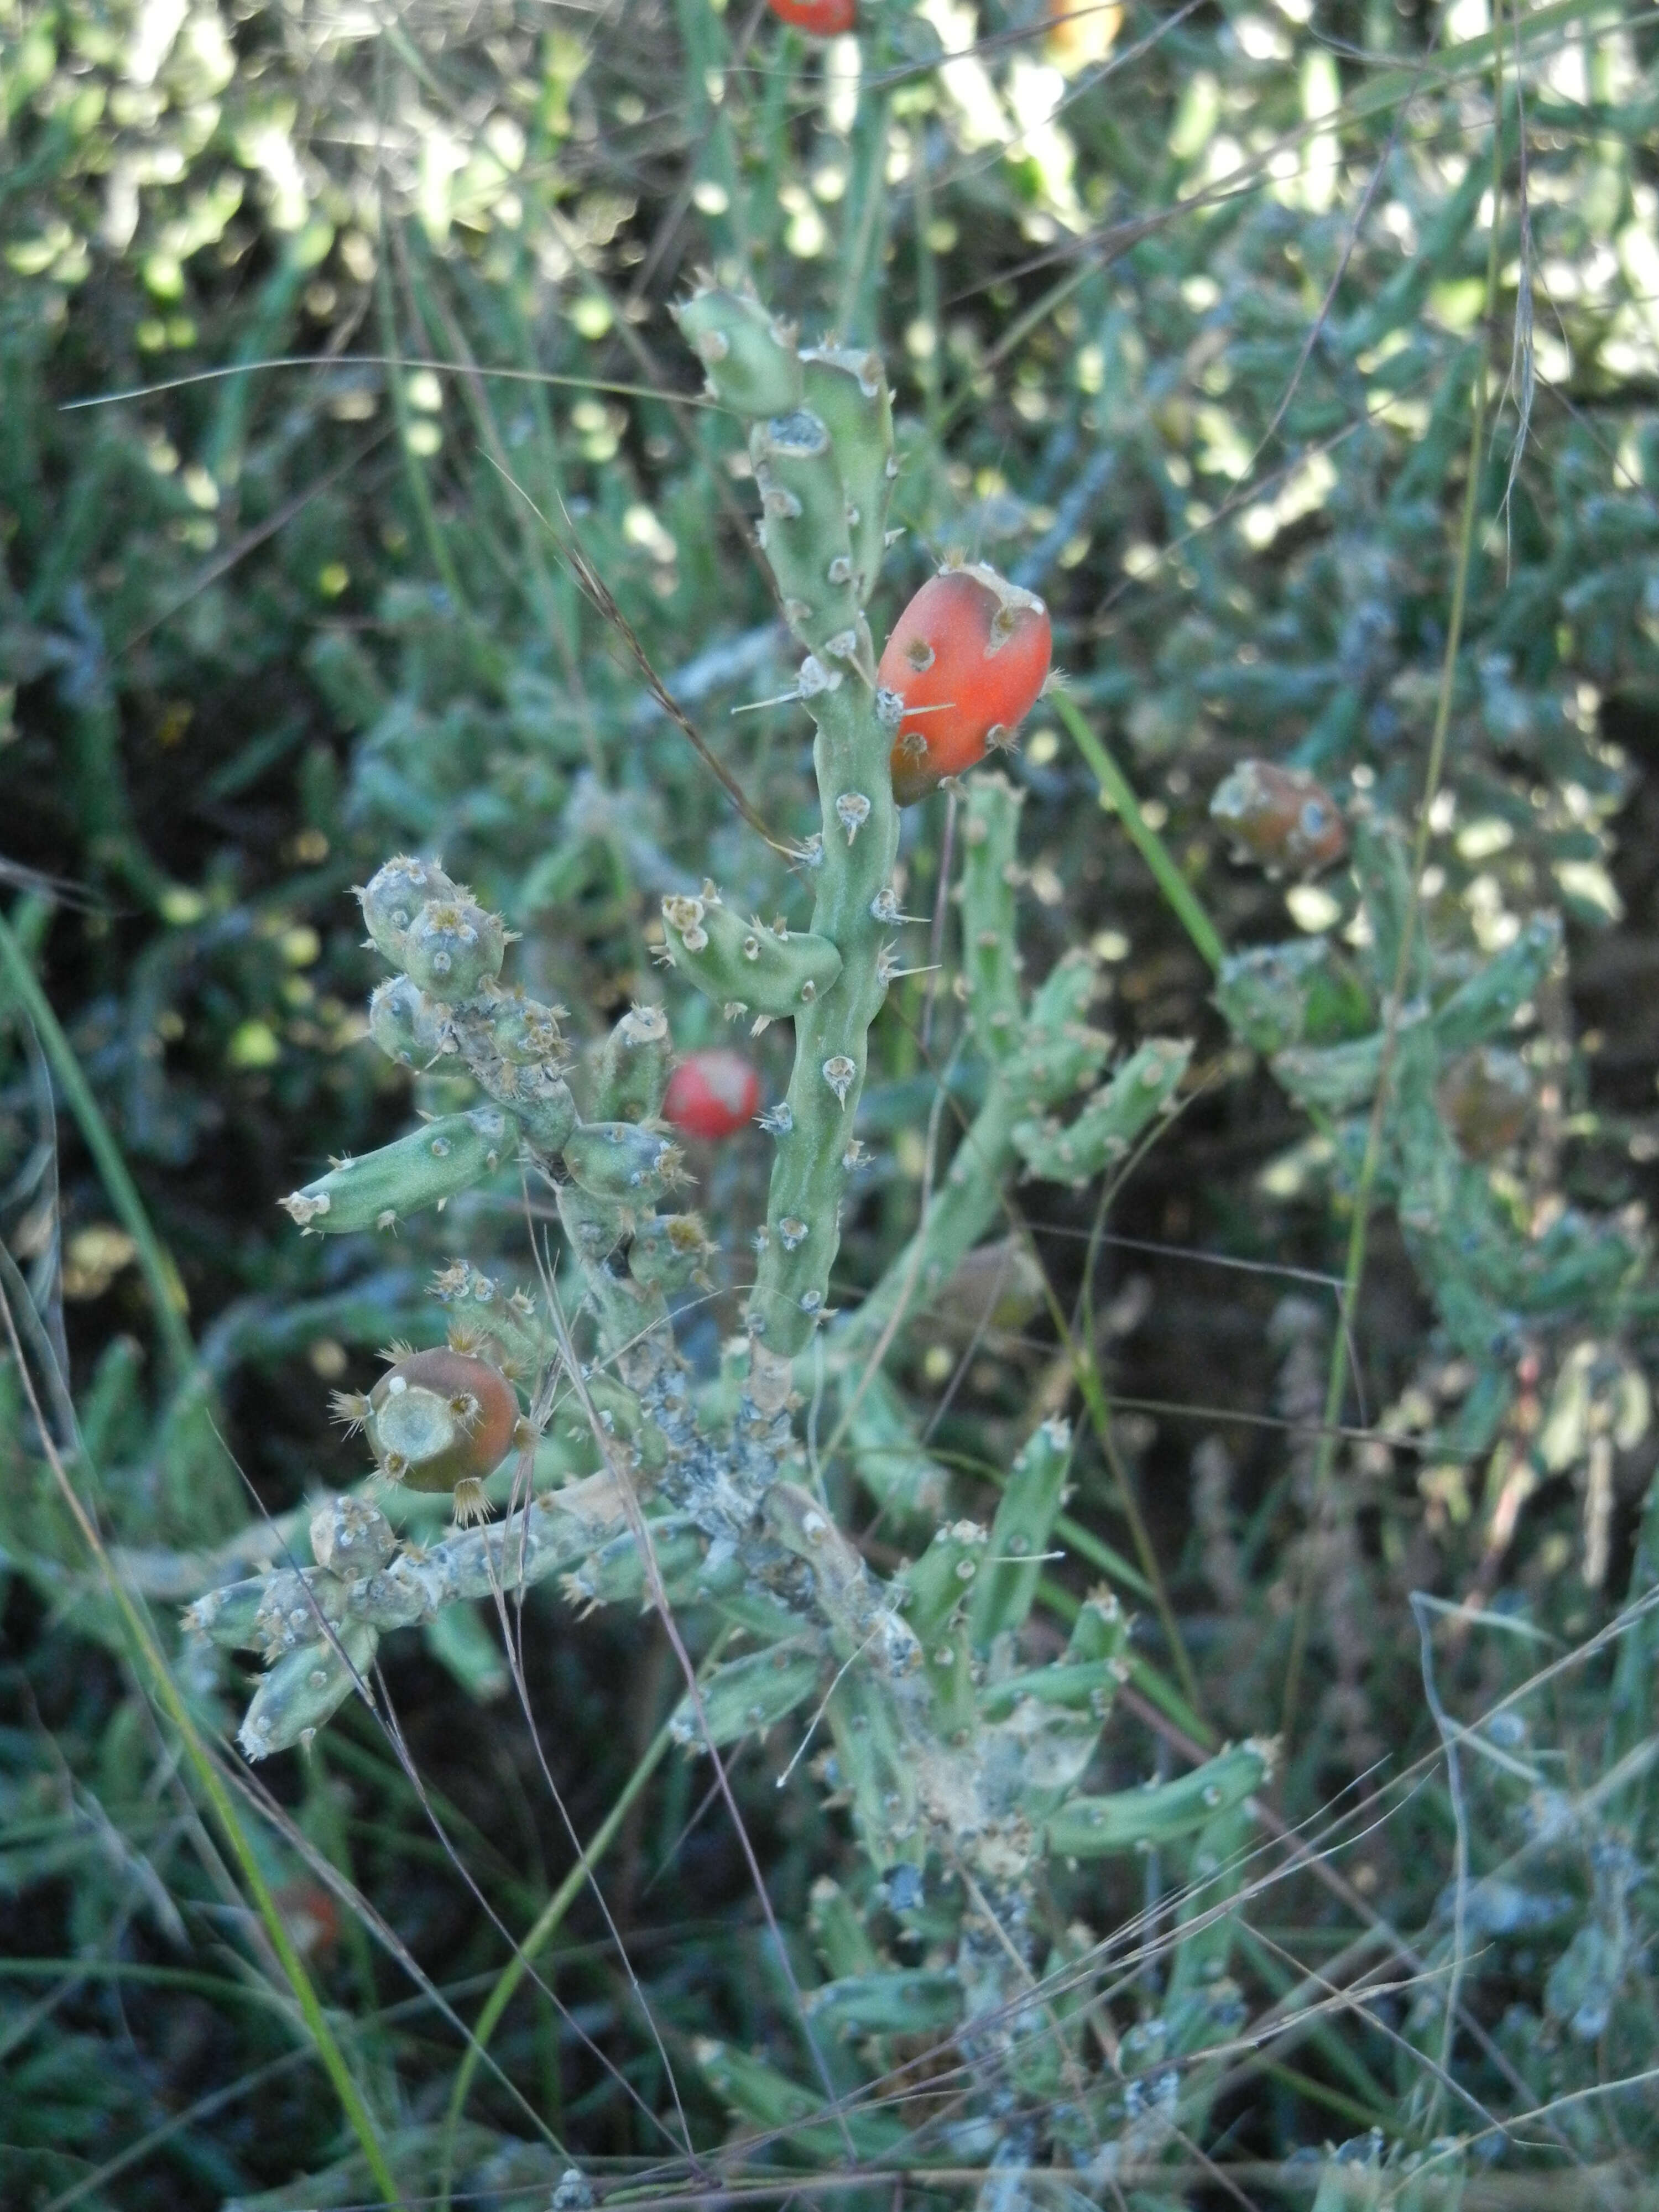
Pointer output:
x,y
712,1094
442,1420
967,659
1485,1098
823,18
1282,817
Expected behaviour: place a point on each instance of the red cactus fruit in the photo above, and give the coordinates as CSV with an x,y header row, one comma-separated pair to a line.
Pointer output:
x,y
712,1094
440,1420
966,661
820,19
1282,817
311,1918
1485,1097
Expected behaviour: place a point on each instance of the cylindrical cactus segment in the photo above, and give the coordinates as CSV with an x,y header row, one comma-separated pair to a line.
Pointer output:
x,y
943,1580
1091,1828
848,390
877,1766
748,356
804,464
747,1696
856,911
804,534
621,1414
546,1113
1485,1006
896,2000
305,1688
1006,1585
1051,1064
1221,1853
1112,1120
633,1068
429,1164
839,1935
350,1537
990,873
231,1617
747,964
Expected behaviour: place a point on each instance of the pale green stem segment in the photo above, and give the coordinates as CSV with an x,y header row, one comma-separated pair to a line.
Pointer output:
x,y
167,1292
1117,793
822,445
851,757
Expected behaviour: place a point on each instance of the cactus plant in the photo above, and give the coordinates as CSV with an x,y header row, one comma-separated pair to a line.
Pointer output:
x,y
961,1755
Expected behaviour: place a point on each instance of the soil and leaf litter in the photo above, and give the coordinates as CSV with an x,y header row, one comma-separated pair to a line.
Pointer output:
x,y
1000,1541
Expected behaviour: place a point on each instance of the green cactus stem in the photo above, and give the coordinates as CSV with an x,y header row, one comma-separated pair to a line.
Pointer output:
x,y
1005,1591
749,1695
746,967
425,1168
1111,1121
1131,1819
634,1065
822,476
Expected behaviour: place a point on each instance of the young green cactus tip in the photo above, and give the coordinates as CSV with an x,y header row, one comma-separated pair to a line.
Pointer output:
x,y
421,1169
394,895
748,356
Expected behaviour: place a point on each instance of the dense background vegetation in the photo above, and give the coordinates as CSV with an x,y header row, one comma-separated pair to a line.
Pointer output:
x,y
1308,363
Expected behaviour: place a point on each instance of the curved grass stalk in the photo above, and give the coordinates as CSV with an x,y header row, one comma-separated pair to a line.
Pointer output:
x,y
167,1292
547,1924
1118,792
153,1663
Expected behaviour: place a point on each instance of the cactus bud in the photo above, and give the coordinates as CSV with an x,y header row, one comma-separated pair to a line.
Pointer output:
x,y
442,1420
392,897
669,1251
712,1094
429,1164
622,1161
350,1537
403,1022
452,947
1280,817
